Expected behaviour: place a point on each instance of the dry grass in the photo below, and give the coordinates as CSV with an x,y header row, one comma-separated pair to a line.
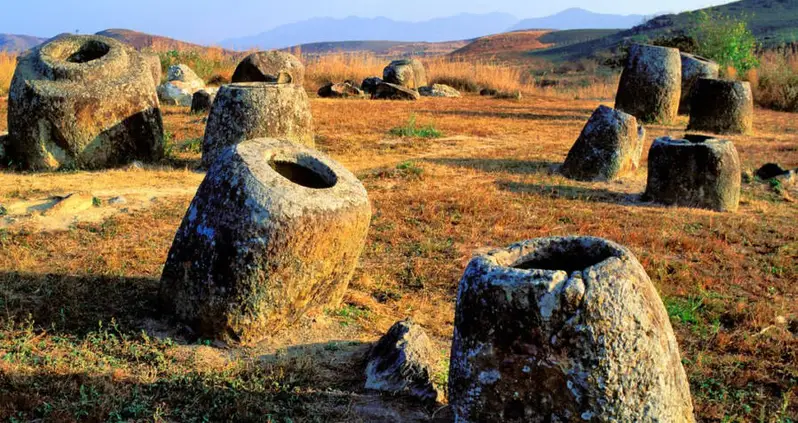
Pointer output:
x,y
81,337
775,82
8,62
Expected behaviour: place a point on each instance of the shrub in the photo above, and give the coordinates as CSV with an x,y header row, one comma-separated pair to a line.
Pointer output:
x,y
411,130
775,83
726,40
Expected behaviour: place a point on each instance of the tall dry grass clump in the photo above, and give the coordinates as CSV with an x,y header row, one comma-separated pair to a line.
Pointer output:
x,y
775,82
8,62
463,74
339,67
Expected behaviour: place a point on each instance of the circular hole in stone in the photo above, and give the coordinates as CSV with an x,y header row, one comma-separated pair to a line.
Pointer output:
x,y
302,175
88,51
697,139
569,258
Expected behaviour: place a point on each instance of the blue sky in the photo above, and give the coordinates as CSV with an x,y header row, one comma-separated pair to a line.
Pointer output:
x,y
207,21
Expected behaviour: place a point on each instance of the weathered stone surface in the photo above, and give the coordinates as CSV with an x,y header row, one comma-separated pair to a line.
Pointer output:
x,y
387,91
722,107
408,73
180,86
248,110
201,101
83,102
339,90
439,90
770,171
155,67
270,66
488,92
3,141
403,362
696,171
274,231
609,146
694,68
564,330
369,85
651,84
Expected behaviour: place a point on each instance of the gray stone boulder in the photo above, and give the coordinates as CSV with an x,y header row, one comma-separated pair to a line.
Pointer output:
x,y
722,107
202,101
248,110
694,68
387,91
651,84
340,90
274,232
403,362
270,66
408,73
180,86
566,329
82,101
696,171
439,90
609,146
369,85
770,171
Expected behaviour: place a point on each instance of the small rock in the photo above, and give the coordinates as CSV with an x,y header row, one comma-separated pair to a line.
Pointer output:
x,y
117,200
769,171
135,165
488,92
439,90
340,90
369,85
402,362
387,91
201,101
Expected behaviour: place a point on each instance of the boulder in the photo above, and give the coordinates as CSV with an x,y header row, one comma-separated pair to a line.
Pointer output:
x,y
270,66
387,91
651,84
403,362
694,68
369,85
721,107
339,90
769,171
155,67
696,171
180,86
565,329
201,101
439,90
408,73
247,110
609,146
488,92
81,101
274,232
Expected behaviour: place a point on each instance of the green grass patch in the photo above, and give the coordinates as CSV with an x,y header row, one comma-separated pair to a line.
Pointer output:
x,y
412,130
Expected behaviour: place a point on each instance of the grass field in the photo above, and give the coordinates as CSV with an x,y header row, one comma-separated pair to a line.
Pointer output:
x,y
81,338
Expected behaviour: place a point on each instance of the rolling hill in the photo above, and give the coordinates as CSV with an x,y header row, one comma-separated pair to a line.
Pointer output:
x,y
17,43
576,18
141,40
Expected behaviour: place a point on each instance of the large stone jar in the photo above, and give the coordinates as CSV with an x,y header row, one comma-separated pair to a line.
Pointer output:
x,y
651,84
274,231
696,171
247,110
722,107
83,102
408,73
693,69
564,330
270,66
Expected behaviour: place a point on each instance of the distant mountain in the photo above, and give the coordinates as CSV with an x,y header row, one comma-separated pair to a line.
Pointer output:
x,y
580,19
17,43
460,27
384,48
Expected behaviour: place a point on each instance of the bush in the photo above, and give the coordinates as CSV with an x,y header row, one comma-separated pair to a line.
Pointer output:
x,y
726,40
775,83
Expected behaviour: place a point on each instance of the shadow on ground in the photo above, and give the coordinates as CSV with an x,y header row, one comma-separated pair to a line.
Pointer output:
x,y
520,167
573,193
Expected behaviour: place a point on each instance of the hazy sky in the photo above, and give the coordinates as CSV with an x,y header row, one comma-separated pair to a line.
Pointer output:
x,y
209,21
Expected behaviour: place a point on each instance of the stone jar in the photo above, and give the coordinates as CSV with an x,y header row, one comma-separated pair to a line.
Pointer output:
x,y
86,102
696,171
609,147
247,110
722,107
270,66
274,232
564,329
408,73
651,84
694,68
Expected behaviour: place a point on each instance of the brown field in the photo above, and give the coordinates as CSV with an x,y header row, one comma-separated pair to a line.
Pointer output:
x,y
81,338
